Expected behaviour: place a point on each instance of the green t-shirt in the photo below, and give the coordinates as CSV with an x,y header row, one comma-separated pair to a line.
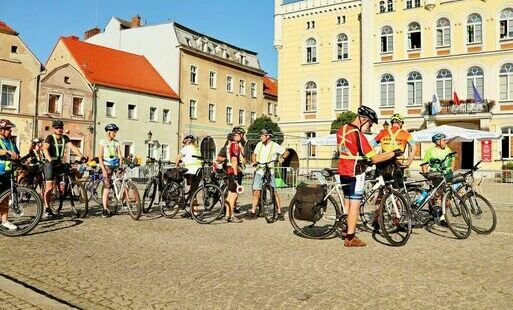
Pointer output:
x,y
440,154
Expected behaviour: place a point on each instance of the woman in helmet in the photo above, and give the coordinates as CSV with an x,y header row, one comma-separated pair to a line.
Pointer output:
x,y
439,151
110,158
34,161
187,157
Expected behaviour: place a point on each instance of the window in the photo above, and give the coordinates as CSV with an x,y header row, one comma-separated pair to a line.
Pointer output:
x,y
243,60
211,112
387,90
412,4
194,75
275,109
77,106
414,88
66,80
242,87
229,84
444,84
14,49
165,116
506,82
475,78
153,114
212,79
390,5
341,19
8,98
193,109
342,95
382,8
269,108
506,24
151,149
253,90
110,109
414,36
312,149
229,116
310,96
132,111
78,144
164,152
54,101
128,148
311,51
474,29
342,47
242,115
507,143
387,39
310,25
253,117
443,32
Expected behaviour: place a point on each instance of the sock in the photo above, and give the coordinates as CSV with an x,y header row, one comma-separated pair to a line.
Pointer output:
x,y
350,236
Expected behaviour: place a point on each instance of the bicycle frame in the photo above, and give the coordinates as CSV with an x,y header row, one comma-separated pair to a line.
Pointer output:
x,y
115,180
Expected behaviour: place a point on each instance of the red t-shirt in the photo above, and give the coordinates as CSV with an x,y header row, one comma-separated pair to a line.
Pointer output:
x,y
233,151
349,149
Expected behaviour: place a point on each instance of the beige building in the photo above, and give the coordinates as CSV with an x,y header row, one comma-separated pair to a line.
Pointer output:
x,y
19,75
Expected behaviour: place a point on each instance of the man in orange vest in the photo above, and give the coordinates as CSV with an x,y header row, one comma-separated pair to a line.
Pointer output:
x,y
396,138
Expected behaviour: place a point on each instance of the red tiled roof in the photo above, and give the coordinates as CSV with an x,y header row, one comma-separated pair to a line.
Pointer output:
x,y
117,69
6,29
270,86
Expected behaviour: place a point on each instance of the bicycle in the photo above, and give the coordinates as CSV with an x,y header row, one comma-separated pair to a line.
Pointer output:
x,y
125,193
206,203
154,186
267,205
67,186
92,184
25,206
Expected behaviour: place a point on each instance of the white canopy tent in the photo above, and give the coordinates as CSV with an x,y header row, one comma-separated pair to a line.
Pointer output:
x,y
330,140
455,134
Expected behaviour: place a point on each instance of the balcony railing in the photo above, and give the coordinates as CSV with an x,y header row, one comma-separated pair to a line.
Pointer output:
x,y
468,106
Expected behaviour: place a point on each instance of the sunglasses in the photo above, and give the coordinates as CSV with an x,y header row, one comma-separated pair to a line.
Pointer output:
x,y
58,127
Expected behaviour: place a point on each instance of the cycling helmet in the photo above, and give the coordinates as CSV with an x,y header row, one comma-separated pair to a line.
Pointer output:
x,y
368,113
397,118
57,124
111,127
37,140
267,132
6,124
188,137
438,136
238,130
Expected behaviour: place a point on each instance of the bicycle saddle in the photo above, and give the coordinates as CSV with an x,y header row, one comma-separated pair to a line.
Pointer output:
x,y
327,172
432,175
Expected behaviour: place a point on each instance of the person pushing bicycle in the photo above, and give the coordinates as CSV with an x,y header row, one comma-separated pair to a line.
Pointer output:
x,y
110,158
8,150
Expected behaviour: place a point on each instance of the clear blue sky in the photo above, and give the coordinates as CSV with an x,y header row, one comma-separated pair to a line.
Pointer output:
x,y
245,23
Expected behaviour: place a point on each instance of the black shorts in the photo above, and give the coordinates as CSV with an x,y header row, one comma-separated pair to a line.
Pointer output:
x,y
51,170
5,182
232,183
351,190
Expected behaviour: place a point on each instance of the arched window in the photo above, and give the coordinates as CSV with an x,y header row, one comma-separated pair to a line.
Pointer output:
x,y
387,90
414,36
443,32
311,96
311,50
414,88
444,84
506,82
390,5
382,8
342,95
342,47
475,78
474,29
387,39
506,24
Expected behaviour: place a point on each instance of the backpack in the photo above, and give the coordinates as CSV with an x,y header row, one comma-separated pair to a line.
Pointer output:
x,y
174,175
309,202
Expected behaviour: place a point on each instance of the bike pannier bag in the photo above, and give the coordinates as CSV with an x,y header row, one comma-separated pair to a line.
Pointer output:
x,y
309,202
174,175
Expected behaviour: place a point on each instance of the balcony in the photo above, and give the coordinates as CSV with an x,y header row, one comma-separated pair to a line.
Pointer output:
x,y
468,106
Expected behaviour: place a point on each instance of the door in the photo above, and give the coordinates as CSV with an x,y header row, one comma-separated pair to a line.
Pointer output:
x,y
467,155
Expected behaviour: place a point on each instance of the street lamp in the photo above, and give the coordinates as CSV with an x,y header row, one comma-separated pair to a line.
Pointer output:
x,y
155,143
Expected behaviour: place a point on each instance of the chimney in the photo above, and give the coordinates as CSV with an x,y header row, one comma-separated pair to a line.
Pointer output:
x,y
136,21
91,32
74,38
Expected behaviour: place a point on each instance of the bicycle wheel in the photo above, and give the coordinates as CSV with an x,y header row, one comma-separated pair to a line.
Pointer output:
x,y
131,200
395,218
323,227
419,217
112,202
207,204
95,191
369,210
25,210
456,215
78,199
172,200
482,213
268,204
149,195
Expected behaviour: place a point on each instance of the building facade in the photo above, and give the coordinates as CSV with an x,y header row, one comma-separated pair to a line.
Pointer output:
x,y
413,51
19,75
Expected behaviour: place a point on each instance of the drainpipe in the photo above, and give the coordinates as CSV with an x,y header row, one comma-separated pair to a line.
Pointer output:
x,y
36,114
95,110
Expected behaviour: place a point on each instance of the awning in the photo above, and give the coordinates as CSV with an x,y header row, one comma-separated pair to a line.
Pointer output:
x,y
455,134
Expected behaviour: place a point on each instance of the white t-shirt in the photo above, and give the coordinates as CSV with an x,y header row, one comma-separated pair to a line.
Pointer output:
x,y
192,164
110,152
266,153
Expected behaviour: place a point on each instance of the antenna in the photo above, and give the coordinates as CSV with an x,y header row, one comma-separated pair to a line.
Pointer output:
x,y
96,17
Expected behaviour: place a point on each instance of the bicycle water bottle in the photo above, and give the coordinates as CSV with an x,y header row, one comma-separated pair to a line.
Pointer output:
x,y
421,198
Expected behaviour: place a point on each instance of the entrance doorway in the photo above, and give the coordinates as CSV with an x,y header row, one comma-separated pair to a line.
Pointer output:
x,y
467,155
208,148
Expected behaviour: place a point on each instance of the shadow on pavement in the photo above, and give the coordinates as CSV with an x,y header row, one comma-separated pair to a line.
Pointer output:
x,y
52,225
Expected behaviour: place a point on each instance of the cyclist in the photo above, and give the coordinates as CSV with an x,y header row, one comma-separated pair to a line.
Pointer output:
x,y
8,150
53,150
265,151
192,164
234,151
395,138
439,151
110,158
355,150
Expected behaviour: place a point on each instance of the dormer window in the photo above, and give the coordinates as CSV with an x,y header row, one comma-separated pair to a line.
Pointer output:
x,y
66,79
14,49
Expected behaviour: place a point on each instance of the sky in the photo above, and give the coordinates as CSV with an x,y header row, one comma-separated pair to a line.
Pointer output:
x,y
248,24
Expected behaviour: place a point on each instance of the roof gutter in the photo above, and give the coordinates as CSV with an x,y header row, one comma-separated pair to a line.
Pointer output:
x,y
95,112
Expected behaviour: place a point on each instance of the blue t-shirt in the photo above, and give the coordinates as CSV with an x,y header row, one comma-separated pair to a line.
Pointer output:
x,y
8,145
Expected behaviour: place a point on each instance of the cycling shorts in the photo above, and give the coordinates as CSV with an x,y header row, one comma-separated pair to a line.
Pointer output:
x,y
51,170
353,186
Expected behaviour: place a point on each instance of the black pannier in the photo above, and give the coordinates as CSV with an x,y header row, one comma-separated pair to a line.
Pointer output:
x,y
174,175
309,202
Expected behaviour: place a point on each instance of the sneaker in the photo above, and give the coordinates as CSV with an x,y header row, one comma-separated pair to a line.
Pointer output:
x,y
48,213
9,225
355,242
281,217
105,213
234,219
251,216
227,219
236,210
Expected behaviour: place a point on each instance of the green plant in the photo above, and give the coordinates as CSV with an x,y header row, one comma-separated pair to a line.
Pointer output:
x,y
260,123
508,165
342,119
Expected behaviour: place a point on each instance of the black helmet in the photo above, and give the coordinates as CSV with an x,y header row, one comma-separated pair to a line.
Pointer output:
x,y
368,113
111,127
266,131
188,137
238,129
57,124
